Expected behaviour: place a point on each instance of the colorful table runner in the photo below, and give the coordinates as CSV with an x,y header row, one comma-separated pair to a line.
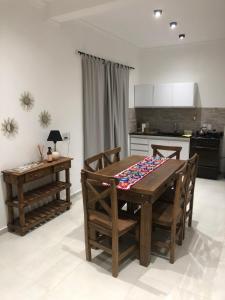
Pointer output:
x,y
130,176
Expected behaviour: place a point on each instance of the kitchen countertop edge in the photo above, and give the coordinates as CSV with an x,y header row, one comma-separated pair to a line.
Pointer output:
x,y
160,137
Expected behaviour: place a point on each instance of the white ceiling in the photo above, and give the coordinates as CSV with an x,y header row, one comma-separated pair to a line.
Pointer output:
x,y
133,21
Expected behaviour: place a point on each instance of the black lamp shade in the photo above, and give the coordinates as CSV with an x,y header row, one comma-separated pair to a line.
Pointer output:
x,y
54,136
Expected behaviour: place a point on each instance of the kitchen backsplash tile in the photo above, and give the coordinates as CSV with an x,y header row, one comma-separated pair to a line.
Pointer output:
x,y
132,120
214,116
164,119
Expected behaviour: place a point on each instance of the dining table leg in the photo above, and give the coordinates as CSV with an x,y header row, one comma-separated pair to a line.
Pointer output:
x,y
145,233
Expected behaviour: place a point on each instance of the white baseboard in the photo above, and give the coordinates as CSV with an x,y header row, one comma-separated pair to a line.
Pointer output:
x,y
3,230
77,193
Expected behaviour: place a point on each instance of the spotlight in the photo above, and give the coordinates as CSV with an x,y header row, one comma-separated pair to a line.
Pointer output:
x,y
182,36
158,13
173,25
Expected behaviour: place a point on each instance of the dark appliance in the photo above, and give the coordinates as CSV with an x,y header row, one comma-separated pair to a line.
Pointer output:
x,y
208,147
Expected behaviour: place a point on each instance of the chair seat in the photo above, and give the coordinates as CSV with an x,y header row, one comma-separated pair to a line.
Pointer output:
x,y
133,215
123,224
163,213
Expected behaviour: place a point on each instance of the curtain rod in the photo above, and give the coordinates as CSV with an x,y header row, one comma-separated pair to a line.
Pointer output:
x,y
83,53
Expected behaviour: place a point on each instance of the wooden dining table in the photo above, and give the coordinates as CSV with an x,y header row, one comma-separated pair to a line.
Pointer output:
x,y
145,193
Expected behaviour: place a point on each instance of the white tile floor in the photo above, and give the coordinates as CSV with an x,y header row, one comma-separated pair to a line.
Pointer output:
x,y
49,263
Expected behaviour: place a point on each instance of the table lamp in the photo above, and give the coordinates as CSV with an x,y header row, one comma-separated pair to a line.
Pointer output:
x,y
55,136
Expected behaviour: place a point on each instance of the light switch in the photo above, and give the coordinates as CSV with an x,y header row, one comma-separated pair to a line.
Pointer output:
x,y
66,136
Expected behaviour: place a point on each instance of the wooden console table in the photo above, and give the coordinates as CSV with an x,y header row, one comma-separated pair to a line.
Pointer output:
x,y
29,219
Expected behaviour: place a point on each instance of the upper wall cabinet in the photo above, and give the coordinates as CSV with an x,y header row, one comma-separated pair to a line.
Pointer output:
x,y
183,94
163,94
166,95
143,94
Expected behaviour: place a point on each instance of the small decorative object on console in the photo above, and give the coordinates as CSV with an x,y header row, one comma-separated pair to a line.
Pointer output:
x,y
26,167
49,154
55,155
41,151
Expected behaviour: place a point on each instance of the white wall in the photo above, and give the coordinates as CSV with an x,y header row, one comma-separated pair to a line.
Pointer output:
x,y
39,56
202,63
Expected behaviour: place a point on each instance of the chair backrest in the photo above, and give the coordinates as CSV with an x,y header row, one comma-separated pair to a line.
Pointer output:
x,y
100,191
111,156
180,188
94,163
175,149
193,169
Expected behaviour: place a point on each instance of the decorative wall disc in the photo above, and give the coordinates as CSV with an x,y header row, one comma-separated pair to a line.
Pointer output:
x,y
45,118
27,101
9,127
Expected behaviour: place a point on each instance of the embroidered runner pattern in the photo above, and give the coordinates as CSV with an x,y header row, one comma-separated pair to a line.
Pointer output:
x,y
130,176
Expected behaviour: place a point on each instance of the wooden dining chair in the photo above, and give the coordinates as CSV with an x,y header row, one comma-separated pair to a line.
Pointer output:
x,y
169,216
174,149
101,160
106,222
190,188
94,163
111,156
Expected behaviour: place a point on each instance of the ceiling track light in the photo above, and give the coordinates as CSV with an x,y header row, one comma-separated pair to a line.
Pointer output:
x,y
182,36
173,25
158,13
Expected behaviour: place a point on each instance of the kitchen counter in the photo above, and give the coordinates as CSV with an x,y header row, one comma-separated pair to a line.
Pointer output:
x,y
161,135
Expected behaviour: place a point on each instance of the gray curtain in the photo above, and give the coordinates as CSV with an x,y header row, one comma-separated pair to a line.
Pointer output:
x,y
93,105
116,107
105,103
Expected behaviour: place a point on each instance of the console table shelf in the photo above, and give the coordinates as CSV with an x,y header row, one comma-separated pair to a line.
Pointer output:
x,y
27,220
36,195
40,215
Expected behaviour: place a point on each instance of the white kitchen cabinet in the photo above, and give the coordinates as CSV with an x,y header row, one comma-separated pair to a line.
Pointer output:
x,y
183,94
141,145
138,152
163,95
140,139
143,95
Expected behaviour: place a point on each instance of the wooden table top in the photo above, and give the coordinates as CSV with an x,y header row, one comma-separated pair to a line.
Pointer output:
x,y
151,183
43,165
